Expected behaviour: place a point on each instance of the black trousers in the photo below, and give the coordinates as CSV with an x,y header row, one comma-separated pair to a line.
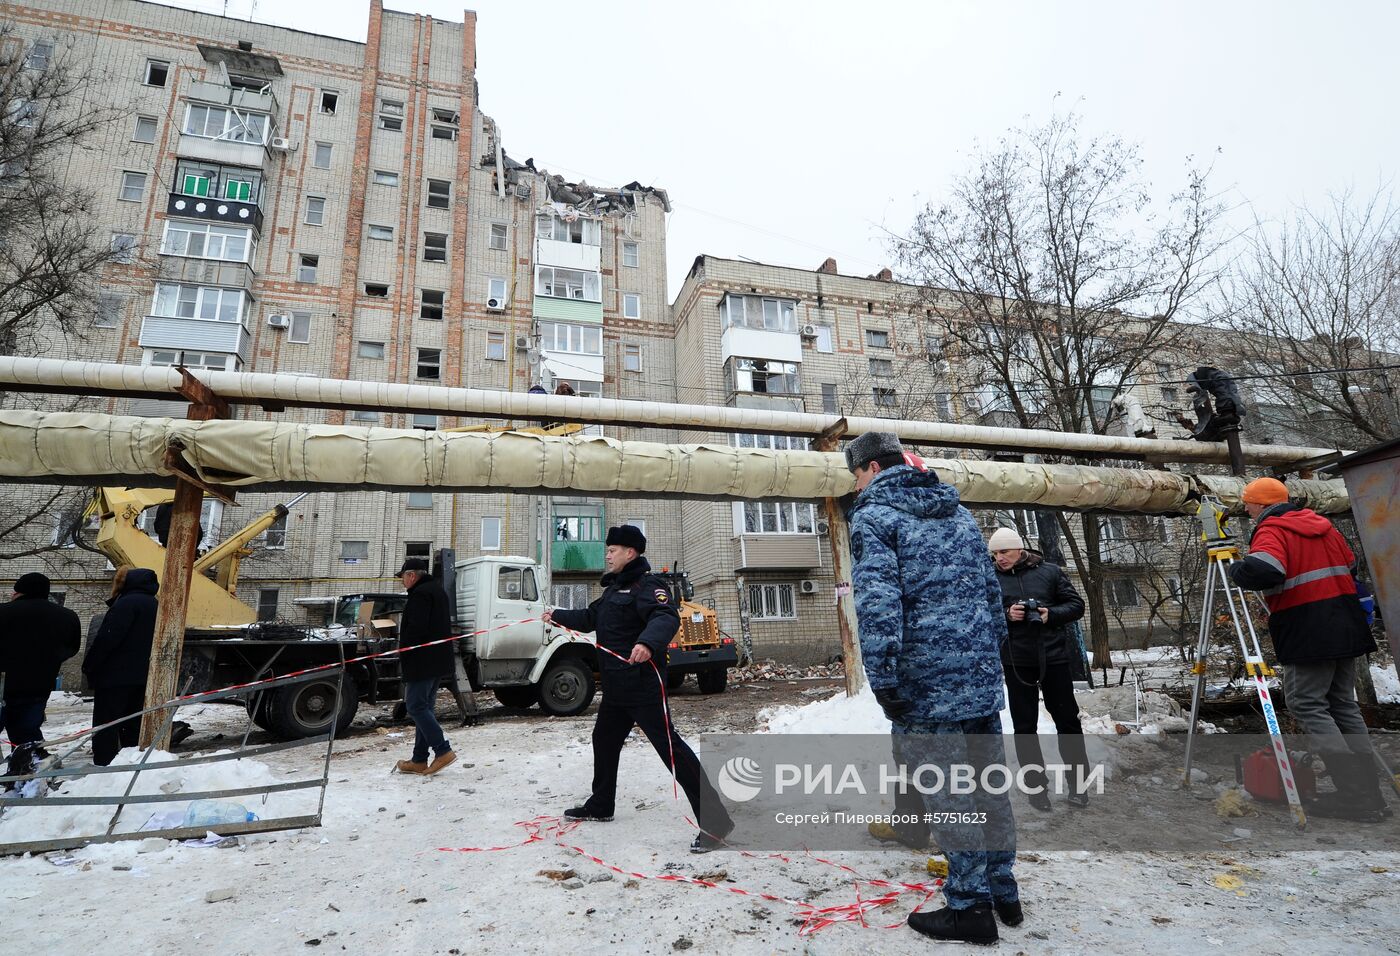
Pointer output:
x,y
1024,688
108,704
614,723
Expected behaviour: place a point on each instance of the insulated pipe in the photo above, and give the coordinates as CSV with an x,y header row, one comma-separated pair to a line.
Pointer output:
x,y
68,448
276,391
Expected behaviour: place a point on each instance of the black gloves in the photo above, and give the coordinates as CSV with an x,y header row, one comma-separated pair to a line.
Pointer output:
x,y
894,706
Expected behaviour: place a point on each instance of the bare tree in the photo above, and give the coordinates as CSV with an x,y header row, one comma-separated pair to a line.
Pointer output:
x,y
896,385
1053,286
1321,295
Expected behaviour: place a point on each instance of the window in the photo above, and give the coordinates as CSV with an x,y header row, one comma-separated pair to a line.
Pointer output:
x,y
580,339
639,523
631,358
365,415
823,339
353,552
306,268
321,157
496,289
885,397
267,604
582,231
569,596
239,190
771,602
434,247
370,350
1122,592
762,376
753,312
431,307
779,517
631,306
109,310
771,442
382,177
430,363
829,401
877,338
299,332
39,56
439,194
315,211
199,302
567,284
330,99
587,527
496,346
220,122
881,367
427,423
377,290
123,247
1170,395
207,241
133,186
391,115
418,549
156,72
445,122
500,236
145,131
630,256
490,534
517,584
212,361
275,537
385,233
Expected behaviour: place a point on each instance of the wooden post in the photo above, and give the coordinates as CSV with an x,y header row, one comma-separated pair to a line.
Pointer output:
x,y
841,566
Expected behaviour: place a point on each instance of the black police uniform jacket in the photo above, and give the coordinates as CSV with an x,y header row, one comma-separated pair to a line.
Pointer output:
x,y
635,608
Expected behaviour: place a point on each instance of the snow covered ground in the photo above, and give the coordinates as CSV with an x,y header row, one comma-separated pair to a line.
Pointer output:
x,y
371,880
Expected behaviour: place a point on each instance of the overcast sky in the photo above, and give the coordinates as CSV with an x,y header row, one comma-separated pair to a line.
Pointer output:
x,y
789,131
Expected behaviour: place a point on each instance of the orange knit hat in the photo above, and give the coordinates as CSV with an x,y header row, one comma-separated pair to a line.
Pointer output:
x,y
1265,491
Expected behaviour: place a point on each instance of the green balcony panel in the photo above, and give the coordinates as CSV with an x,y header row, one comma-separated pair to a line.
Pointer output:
x,y
567,310
577,555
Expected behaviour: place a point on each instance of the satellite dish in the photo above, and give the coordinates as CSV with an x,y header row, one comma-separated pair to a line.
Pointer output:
x,y
533,356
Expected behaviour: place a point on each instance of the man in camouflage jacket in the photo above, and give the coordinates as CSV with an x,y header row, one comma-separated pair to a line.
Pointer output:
x,y
931,624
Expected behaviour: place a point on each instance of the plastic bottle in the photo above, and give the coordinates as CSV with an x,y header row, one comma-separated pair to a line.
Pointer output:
x,y
203,813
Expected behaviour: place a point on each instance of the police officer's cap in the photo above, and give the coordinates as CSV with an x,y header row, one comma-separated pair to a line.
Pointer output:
x,y
628,536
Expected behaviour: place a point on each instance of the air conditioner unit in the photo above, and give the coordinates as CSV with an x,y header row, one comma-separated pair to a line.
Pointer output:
x,y
823,526
282,143
809,331
522,343
807,586
279,320
495,304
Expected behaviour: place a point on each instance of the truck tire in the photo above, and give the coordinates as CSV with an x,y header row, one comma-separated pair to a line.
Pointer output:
x,y
713,681
566,689
305,710
521,697
674,681
259,712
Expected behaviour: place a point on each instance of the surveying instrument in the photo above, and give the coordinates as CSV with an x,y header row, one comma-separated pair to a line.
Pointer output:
x,y
1222,550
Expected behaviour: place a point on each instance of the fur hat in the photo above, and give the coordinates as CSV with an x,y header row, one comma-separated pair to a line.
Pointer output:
x,y
866,448
413,564
628,536
1005,539
33,584
1265,491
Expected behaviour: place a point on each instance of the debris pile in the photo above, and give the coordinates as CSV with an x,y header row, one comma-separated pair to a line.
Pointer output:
x,y
766,670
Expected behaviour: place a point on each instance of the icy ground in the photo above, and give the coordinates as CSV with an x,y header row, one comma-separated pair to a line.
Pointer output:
x,y
372,881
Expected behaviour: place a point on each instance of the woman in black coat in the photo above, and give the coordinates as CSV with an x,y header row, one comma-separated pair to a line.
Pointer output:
x,y
117,661
1036,657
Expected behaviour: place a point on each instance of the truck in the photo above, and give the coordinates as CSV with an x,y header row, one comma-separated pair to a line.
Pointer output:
x,y
698,648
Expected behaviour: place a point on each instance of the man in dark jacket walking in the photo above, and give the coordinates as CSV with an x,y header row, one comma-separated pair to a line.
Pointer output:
x,y
117,662
426,617
930,627
1304,567
1039,603
634,618
36,636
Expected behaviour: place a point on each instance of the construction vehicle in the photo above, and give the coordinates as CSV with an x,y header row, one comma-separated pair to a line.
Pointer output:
x,y
698,647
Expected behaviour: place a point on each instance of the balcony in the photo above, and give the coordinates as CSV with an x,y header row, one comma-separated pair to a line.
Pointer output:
x,y
767,402
777,552
200,335
568,255
238,97
760,344
230,211
567,310
191,271
228,151
576,555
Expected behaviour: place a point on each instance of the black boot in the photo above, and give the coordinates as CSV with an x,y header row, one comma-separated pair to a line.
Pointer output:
x,y
587,812
1009,912
976,924
1041,801
1358,795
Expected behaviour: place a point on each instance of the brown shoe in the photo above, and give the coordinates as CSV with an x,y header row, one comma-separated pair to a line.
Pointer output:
x,y
441,761
411,766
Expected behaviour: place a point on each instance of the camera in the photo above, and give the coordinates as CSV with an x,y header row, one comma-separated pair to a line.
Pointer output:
x,y
1032,607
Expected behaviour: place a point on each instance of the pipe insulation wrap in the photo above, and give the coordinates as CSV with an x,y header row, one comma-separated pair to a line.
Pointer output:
x,y
280,390
54,446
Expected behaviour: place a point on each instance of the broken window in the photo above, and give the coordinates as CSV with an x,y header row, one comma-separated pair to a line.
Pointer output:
x,y
306,268
430,363
582,231
427,423
885,397
377,290
445,122
567,284
329,100
39,56
219,122
109,310
755,312
434,247
156,72
439,193
431,307
762,376
381,232
123,247
391,115
877,338
883,368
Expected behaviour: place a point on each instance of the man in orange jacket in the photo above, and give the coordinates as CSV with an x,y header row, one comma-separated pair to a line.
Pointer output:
x,y
1304,567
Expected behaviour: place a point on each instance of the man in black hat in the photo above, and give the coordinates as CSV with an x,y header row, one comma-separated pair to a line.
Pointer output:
x,y
426,617
635,619
36,636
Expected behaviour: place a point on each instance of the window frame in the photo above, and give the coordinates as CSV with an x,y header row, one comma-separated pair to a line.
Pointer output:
x,y
125,251
321,218
444,197
433,251
163,66
549,278
883,397
495,521
347,558
877,339
634,300
360,353
377,181
630,352
428,358
577,339
209,232
504,236
383,233
316,153
302,266
321,102
778,589
304,319
777,517
154,126
419,506
263,606
389,114
126,185
492,340
203,295
29,63
631,249
423,305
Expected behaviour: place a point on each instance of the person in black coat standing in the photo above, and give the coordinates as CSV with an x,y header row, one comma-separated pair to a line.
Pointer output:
x,y
36,636
426,617
117,661
1040,603
636,620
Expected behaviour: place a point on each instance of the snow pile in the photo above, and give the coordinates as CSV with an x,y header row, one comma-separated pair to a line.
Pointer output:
x,y
25,824
860,714
1387,684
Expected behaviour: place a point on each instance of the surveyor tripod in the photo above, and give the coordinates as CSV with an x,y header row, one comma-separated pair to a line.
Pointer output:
x,y
1222,551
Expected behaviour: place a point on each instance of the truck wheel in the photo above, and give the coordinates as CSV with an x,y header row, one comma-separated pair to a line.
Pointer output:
x,y
521,697
566,689
260,711
714,681
306,710
674,681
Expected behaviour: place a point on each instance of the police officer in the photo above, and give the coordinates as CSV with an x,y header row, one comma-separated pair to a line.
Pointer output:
x,y
635,619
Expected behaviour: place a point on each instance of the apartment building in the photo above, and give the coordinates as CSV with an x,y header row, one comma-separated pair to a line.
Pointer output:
x,y
300,204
